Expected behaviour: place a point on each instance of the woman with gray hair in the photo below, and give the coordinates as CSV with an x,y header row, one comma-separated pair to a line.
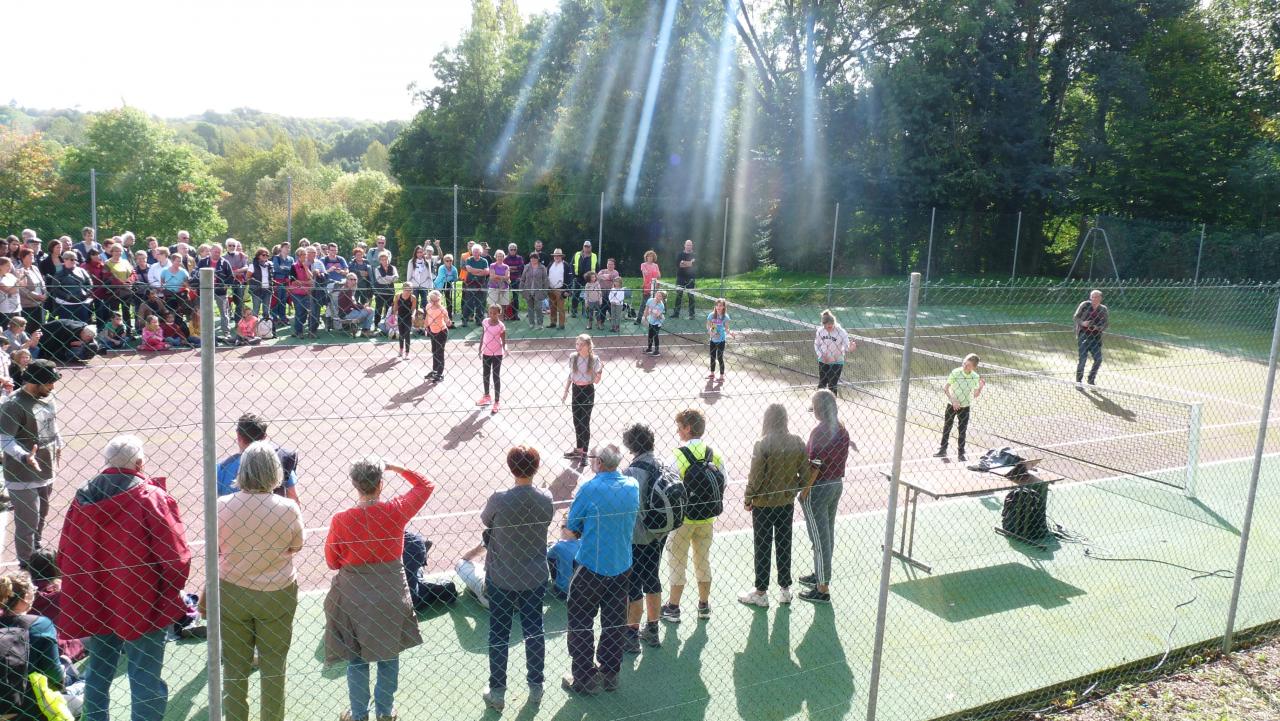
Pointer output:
x,y
259,535
779,468
828,449
368,614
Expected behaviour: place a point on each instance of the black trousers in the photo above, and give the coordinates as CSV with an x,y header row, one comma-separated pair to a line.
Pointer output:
x,y
962,426
1090,344
437,351
717,354
591,594
680,294
829,376
584,399
654,343
771,528
492,366
405,333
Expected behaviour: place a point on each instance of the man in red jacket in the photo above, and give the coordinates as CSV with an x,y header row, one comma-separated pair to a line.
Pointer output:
x,y
125,561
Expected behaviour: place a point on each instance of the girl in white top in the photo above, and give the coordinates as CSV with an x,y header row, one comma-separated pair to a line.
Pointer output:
x,y
585,371
831,343
419,275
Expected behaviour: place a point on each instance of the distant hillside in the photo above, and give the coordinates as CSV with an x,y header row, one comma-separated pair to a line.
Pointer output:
x,y
338,141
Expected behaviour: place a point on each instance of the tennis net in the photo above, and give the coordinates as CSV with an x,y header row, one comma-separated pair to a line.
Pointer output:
x,y
1088,431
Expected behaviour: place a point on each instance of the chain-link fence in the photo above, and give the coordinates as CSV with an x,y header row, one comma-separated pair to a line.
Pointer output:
x,y
886,579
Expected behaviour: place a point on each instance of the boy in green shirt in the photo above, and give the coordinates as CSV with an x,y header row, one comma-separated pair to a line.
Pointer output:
x,y
963,386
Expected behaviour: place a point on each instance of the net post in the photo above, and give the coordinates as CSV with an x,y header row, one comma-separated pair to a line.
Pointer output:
x,y
1247,526
831,269
213,599
886,557
1017,236
1193,450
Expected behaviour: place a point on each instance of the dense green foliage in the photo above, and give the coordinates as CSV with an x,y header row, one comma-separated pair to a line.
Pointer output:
x,y
1061,111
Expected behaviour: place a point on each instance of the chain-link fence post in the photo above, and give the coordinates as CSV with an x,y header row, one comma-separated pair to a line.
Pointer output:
x,y
1195,282
891,514
456,258
1017,236
1247,526
928,257
831,268
288,211
93,201
600,230
724,244
213,599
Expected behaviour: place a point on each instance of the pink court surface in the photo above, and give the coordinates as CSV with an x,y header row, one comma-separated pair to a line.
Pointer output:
x,y
333,403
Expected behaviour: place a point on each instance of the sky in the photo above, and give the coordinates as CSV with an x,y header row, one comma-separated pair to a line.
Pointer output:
x,y
321,58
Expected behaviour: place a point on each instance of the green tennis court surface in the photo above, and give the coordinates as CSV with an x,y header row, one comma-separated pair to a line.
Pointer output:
x,y
995,620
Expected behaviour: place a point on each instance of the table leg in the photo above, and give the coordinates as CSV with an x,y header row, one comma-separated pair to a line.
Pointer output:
x,y
915,502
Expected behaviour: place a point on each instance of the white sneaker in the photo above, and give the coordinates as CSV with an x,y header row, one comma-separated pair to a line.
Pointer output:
x,y
754,598
784,595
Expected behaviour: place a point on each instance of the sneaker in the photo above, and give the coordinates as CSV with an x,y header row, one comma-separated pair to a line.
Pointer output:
x,y
575,453
535,693
704,611
495,699
649,636
813,595
721,378
359,334
609,682
753,598
711,376
587,688
961,458
495,408
942,453
811,580
671,613
632,644
784,595
390,717
656,354
483,401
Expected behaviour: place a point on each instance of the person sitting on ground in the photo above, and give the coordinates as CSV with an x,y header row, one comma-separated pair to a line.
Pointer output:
x,y
113,335
424,593
153,336
19,338
175,335
247,328
17,592
560,562
152,305
68,341
19,360
471,572
44,570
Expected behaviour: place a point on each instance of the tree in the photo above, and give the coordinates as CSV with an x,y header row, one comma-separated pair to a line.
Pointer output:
x,y
375,158
329,224
28,182
146,181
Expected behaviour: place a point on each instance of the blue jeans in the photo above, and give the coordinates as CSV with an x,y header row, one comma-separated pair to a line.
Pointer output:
x,y
302,310
503,605
282,303
148,690
1090,345
384,693
364,317
76,311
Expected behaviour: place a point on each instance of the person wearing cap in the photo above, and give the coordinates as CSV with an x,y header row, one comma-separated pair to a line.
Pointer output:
x,y
32,449
558,280
516,263
584,261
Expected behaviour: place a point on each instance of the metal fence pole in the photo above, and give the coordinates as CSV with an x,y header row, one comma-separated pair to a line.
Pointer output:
x,y
213,598
891,514
724,244
93,201
600,230
288,210
1017,236
928,258
1199,255
456,257
831,269
1253,486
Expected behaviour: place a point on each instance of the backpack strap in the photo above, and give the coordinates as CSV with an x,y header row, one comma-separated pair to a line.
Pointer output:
x,y
688,455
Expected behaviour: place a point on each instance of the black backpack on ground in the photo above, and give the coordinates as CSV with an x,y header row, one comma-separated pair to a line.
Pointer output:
x,y
1025,512
704,483
664,510
16,696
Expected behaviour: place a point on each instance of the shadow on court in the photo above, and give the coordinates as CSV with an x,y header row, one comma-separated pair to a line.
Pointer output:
x,y
966,595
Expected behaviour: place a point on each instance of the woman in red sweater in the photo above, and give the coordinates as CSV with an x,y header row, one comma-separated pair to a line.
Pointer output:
x,y
368,615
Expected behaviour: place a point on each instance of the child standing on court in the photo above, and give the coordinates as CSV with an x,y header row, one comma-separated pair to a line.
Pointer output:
x,y
403,307
493,346
438,330
595,296
718,331
963,386
655,311
617,302
585,370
